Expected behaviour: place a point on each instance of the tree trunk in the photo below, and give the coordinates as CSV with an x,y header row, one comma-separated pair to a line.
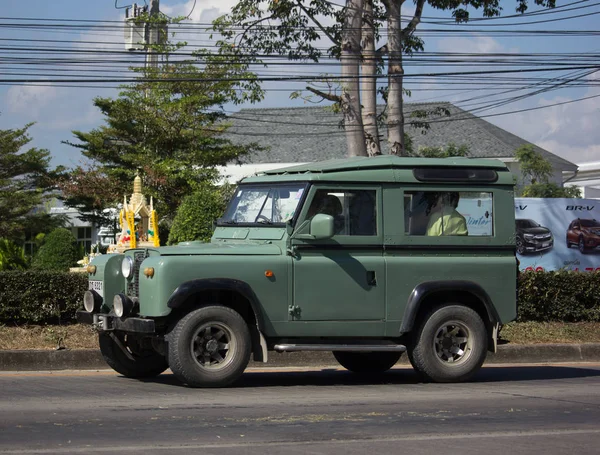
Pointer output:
x,y
368,83
395,118
350,57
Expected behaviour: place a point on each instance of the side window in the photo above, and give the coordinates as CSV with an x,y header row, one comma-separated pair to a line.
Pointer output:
x,y
353,211
448,213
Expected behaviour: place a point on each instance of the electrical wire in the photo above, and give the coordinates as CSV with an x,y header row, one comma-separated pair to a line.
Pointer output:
x,y
193,8
55,64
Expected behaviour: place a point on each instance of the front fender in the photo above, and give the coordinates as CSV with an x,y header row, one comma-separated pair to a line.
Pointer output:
x,y
108,271
189,288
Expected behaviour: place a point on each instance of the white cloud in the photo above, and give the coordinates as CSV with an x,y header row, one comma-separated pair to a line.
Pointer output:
x,y
477,44
29,99
568,130
204,11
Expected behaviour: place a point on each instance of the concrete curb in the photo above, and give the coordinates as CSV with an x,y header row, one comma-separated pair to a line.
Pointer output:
x,y
90,359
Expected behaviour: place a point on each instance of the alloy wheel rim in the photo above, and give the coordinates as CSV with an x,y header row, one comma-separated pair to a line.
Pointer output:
x,y
520,248
453,343
213,346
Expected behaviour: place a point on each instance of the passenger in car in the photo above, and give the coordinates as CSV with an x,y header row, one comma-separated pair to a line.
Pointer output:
x,y
444,218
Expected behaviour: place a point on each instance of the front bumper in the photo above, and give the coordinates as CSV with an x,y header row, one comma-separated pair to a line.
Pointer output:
x,y
536,246
109,322
592,243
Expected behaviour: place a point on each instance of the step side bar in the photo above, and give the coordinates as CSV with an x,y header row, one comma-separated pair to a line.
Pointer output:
x,y
341,347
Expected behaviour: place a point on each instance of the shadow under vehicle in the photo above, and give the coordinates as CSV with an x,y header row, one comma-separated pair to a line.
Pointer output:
x,y
531,237
585,233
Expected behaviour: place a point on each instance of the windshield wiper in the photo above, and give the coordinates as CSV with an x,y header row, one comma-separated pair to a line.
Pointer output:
x,y
264,221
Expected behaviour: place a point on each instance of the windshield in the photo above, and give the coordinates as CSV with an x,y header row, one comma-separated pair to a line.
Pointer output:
x,y
524,224
273,204
589,223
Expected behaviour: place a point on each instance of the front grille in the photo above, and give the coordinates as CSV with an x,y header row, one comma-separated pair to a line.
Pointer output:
x,y
543,237
133,287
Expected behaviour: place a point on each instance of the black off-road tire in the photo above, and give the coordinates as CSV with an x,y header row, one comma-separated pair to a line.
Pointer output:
x,y
581,246
209,347
367,362
147,362
520,247
449,344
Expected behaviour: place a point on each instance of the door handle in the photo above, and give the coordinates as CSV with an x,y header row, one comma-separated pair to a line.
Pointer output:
x,y
371,278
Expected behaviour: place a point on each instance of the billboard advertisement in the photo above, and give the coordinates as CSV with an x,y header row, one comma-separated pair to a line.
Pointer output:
x,y
553,234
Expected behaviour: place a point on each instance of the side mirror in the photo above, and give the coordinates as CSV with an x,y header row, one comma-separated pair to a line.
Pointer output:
x,y
321,227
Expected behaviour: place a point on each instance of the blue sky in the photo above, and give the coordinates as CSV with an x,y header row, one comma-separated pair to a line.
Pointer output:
x,y
570,129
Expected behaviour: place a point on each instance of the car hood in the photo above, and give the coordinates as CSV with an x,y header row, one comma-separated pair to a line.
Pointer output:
x,y
536,230
198,248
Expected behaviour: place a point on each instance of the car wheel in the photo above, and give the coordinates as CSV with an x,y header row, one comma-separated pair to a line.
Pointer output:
x,y
138,362
568,243
520,246
367,362
449,345
209,347
581,246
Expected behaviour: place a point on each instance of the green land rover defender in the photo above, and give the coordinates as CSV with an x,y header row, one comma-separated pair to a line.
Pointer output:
x,y
364,257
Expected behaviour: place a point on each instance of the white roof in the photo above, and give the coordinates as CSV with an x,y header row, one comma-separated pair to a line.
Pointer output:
x,y
233,173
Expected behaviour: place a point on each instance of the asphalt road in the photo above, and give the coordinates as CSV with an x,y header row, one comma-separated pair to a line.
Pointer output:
x,y
507,410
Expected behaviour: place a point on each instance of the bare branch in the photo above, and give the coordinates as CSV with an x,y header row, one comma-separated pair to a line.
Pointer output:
x,y
256,22
314,19
412,25
327,96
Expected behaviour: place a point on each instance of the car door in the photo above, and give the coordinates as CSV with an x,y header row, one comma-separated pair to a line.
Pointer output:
x,y
341,278
573,233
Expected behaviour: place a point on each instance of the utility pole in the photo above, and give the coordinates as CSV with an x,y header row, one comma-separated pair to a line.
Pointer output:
x,y
152,35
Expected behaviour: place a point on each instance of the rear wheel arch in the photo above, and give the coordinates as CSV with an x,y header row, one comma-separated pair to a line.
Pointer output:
x,y
427,295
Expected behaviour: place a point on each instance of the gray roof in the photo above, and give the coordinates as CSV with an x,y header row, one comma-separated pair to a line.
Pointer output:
x,y
304,134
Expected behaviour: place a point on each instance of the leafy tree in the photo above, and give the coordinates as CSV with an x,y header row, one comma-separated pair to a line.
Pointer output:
x,y
59,251
440,152
169,124
537,170
195,216
295,29
12,256
25,182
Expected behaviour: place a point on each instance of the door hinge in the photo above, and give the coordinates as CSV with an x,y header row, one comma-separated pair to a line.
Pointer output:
x,y
294,311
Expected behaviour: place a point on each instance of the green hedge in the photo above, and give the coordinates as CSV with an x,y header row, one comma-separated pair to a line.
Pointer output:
x,y
559,296
49,297
40,297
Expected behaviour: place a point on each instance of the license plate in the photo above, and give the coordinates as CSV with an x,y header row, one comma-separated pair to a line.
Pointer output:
x,y
544,245
97,286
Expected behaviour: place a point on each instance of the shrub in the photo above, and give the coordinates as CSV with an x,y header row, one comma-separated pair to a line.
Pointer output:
x,y
12,256
36,296
559,296
59,251
195,216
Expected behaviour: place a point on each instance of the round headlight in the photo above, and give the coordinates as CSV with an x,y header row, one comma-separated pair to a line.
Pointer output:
x,y
89,301
122,305
118,305
127,266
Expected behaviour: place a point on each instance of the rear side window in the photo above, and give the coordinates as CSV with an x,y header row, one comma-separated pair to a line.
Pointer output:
x,y
448,213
